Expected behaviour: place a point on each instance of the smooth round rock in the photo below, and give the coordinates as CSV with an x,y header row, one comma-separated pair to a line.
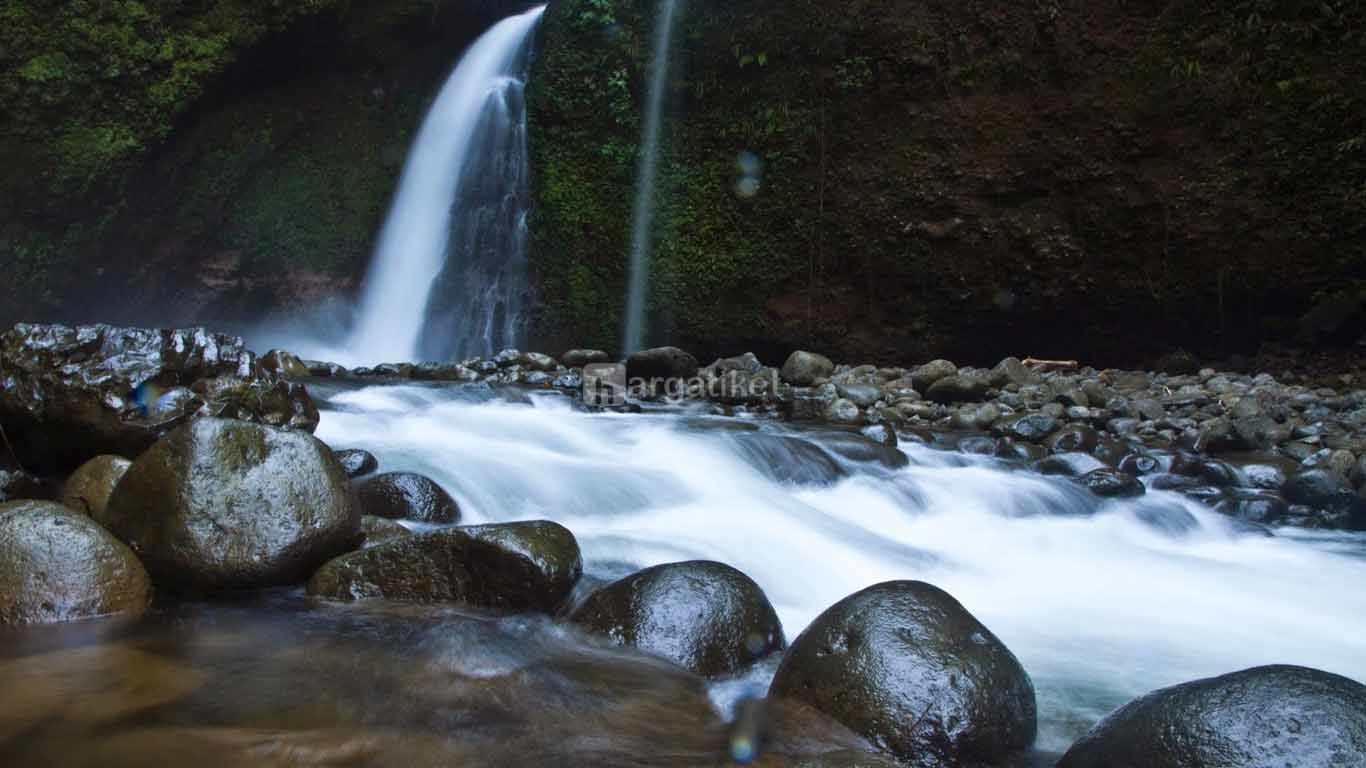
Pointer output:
x,y
88,488
356,462
578,358
804,369
527,566
906,666
58,565
406,496
224,504
1265,717
661,363
705,616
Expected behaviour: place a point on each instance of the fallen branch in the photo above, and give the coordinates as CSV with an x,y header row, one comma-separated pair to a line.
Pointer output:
x,y
1052,365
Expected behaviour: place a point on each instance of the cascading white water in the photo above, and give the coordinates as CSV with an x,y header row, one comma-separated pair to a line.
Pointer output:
x,y
460,183
1101,601
643,214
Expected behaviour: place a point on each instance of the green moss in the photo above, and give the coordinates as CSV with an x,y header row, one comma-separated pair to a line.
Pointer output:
x,y
974,179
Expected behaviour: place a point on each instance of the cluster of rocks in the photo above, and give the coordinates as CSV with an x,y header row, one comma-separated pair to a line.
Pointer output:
x,y
1265,451
68,393
215,504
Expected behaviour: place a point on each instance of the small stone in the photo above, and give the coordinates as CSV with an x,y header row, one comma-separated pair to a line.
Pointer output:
x,y
881,434
843,411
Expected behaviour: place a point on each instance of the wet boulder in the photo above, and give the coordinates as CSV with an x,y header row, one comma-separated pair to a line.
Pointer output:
x,y
907,667
707,617
530,566
356,463
282,363
68,394
1112,484
88,488
804,369
223,504
1319,487
1280,716
58,565
406,496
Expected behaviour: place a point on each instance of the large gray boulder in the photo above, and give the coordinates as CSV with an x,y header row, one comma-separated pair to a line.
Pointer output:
x,y
222,504
1265,717
68,394
58,565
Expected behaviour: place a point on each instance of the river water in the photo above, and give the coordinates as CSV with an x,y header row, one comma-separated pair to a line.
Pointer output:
x,y
1100,600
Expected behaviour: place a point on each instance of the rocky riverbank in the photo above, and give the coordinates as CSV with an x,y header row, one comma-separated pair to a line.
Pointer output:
x,y
208,500
1265,449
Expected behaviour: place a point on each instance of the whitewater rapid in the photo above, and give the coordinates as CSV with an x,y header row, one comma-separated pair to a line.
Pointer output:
x,y
1101,601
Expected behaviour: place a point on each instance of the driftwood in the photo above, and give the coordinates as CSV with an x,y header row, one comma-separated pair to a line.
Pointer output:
x,y
1052,365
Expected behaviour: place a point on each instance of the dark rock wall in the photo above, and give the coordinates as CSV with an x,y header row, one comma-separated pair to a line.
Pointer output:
x,y
1104,180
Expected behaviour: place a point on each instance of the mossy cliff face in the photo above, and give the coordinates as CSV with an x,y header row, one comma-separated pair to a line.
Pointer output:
x,y
177,160
1105,180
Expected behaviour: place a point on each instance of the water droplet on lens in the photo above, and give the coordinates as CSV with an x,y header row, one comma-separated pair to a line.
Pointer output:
x,y
748,164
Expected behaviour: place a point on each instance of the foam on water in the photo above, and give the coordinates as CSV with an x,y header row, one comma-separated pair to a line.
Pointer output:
x,y
1101,601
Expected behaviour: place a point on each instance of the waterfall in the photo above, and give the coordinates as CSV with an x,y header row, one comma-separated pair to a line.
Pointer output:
x,y
643,216
458,220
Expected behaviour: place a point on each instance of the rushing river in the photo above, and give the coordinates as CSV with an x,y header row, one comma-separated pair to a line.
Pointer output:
x,y
1101,601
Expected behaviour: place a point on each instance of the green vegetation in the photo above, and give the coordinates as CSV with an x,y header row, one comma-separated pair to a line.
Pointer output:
x,y
957,178
157,136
